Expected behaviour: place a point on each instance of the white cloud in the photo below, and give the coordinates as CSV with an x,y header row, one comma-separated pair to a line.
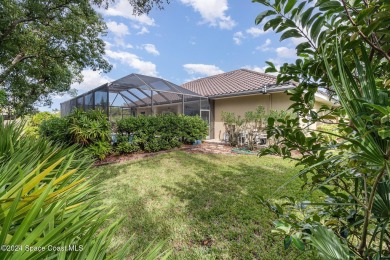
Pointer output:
x,y
265,46
144,30
109,45
118,29
150,48
254,68
237,37
262,69
123,9
252,31
212,12
91,79
135,62
297,41
226,23
255,32
121,42
284,52
203,69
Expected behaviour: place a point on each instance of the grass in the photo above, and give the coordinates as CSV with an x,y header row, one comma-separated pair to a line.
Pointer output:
x,y
204,206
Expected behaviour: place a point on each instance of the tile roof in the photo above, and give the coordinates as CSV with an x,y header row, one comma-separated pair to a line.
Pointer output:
x,y
239,81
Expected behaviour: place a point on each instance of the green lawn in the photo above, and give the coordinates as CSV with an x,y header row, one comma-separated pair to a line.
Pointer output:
x,y
204,206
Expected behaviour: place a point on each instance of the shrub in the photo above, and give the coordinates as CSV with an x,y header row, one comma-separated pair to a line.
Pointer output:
x,y
253,123
55,129
89,129
161,132
126,147
192,128
34,122
99,149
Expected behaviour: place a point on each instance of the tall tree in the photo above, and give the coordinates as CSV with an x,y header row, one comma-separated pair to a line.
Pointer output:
x,y
345,51
44,46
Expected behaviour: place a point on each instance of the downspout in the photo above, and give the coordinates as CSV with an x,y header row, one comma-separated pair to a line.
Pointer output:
x,y
264,91
151,99
108,100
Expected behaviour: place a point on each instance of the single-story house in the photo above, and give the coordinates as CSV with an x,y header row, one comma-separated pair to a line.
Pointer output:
x,y
243,90
236,91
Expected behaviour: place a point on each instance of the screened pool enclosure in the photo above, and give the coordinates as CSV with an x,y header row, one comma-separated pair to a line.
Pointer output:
x,y
137,94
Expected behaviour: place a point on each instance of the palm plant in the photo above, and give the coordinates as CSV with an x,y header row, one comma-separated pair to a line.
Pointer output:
x,y
367,106
352,172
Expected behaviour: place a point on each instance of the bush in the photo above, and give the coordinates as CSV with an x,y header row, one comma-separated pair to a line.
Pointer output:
x,y
253,123
126,148
33,123
161,132
55,129
89,129
99,149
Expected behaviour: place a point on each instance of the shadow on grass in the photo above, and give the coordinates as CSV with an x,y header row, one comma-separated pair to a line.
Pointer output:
x,y
223,207
206,206
144,226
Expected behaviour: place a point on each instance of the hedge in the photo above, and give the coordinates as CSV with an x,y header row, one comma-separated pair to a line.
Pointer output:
x,y
161,132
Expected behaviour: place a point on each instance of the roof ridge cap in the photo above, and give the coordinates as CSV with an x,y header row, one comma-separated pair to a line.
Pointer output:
x,y
212,76
259,73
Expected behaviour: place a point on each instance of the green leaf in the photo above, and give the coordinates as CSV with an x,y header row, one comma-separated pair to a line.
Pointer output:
x,y
328,245
263,15
273,23
290,4
373,26
302,47
384,133
298,243
316,28
297,10
305,16
271,121
293,33
363,14
264,2
381,206
329,5
287,242
313,19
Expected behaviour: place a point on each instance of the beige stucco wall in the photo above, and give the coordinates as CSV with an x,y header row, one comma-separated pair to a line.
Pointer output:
x,y
240,105
173,108
144,110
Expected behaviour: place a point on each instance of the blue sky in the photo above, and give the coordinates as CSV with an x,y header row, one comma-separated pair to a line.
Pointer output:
x,y
189,39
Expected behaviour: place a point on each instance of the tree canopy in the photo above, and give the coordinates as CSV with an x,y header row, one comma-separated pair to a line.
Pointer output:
x,y
44,46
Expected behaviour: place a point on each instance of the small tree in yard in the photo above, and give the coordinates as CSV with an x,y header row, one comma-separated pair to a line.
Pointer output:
x,y
253,123
346,53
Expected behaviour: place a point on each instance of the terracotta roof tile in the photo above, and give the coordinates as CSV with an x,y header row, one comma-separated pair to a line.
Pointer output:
x,y
236,81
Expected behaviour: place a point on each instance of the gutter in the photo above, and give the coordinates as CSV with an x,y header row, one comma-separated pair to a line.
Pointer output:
x,y
263,91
